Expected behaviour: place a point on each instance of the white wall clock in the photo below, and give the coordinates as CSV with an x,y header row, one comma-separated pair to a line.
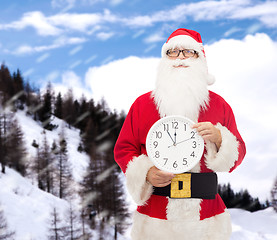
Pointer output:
x,y
173,145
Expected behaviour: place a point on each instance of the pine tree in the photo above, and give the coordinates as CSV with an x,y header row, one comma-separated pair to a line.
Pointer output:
x,y
6,85
3,140
89,192
102,185
58,111
73,230
68,108
16,151
85,234
44,166
56,229
5,233
120,211
2,154
45,112
274,195
18,84
37,166
84,113
241,199
64,171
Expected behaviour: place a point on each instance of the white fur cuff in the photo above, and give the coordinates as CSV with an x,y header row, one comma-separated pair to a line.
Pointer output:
x,y
136,172
225,158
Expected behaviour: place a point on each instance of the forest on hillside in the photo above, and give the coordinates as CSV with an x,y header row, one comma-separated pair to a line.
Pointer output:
x,y
98,127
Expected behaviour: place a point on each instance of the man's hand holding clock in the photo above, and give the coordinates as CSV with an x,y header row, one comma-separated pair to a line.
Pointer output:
x,y
159,178
178,154
209,132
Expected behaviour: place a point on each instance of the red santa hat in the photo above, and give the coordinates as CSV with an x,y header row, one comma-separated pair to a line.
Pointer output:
x,y
189,39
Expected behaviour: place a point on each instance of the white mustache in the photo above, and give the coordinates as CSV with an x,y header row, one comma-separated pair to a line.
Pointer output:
x,y
180,62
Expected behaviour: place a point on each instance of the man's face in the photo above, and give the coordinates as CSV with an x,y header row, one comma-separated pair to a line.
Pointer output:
x,y
181,85
181,54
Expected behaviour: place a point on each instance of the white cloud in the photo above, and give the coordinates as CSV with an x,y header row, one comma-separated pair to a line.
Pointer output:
x,y
37,20
91,23
246,77
70,81
239,66
155,37
59,42
121,82
74,21
82,22
104,35
254,28
62,22
265,12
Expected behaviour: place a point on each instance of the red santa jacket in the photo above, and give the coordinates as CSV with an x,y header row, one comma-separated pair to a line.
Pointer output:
x,y
130,148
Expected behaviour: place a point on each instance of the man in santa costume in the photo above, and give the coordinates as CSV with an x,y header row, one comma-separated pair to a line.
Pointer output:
x,y
181,89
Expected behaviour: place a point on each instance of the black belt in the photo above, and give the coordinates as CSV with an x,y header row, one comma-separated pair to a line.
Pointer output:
x,y
190,185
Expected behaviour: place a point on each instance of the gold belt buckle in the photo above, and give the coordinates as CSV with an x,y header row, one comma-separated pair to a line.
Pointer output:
x,y
185,192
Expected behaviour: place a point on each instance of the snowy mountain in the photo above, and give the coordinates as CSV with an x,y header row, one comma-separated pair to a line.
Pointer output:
x,y
28,209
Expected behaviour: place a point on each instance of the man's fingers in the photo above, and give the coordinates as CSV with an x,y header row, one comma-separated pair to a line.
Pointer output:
x,y
159,178
163,174
163,184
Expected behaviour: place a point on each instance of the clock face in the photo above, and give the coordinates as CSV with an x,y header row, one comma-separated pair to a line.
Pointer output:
x,y
173,145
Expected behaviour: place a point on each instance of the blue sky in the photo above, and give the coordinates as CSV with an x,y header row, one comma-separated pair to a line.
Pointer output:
x,y
48,37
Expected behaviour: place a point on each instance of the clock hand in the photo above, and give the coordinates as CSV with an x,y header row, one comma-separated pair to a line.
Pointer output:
x,y
170,137
179,142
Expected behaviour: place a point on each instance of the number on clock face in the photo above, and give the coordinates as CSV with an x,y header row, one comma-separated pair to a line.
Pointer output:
x,y
173,145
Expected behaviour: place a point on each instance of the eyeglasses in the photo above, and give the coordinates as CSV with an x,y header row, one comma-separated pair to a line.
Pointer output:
x,y
186,52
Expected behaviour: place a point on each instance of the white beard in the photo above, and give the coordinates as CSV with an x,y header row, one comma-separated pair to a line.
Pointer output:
x,y
181,91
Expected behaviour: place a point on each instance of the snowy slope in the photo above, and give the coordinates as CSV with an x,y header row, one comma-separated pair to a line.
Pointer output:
x,y
33,131
261,225
26,208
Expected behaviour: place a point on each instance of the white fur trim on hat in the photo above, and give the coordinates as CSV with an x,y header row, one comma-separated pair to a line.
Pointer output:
x,y
227,155
136,173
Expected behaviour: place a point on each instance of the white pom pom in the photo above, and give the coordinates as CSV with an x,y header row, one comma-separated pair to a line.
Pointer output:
x,y
210,79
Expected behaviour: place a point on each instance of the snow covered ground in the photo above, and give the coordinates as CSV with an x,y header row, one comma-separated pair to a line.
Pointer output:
x,y
261,225
27,208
